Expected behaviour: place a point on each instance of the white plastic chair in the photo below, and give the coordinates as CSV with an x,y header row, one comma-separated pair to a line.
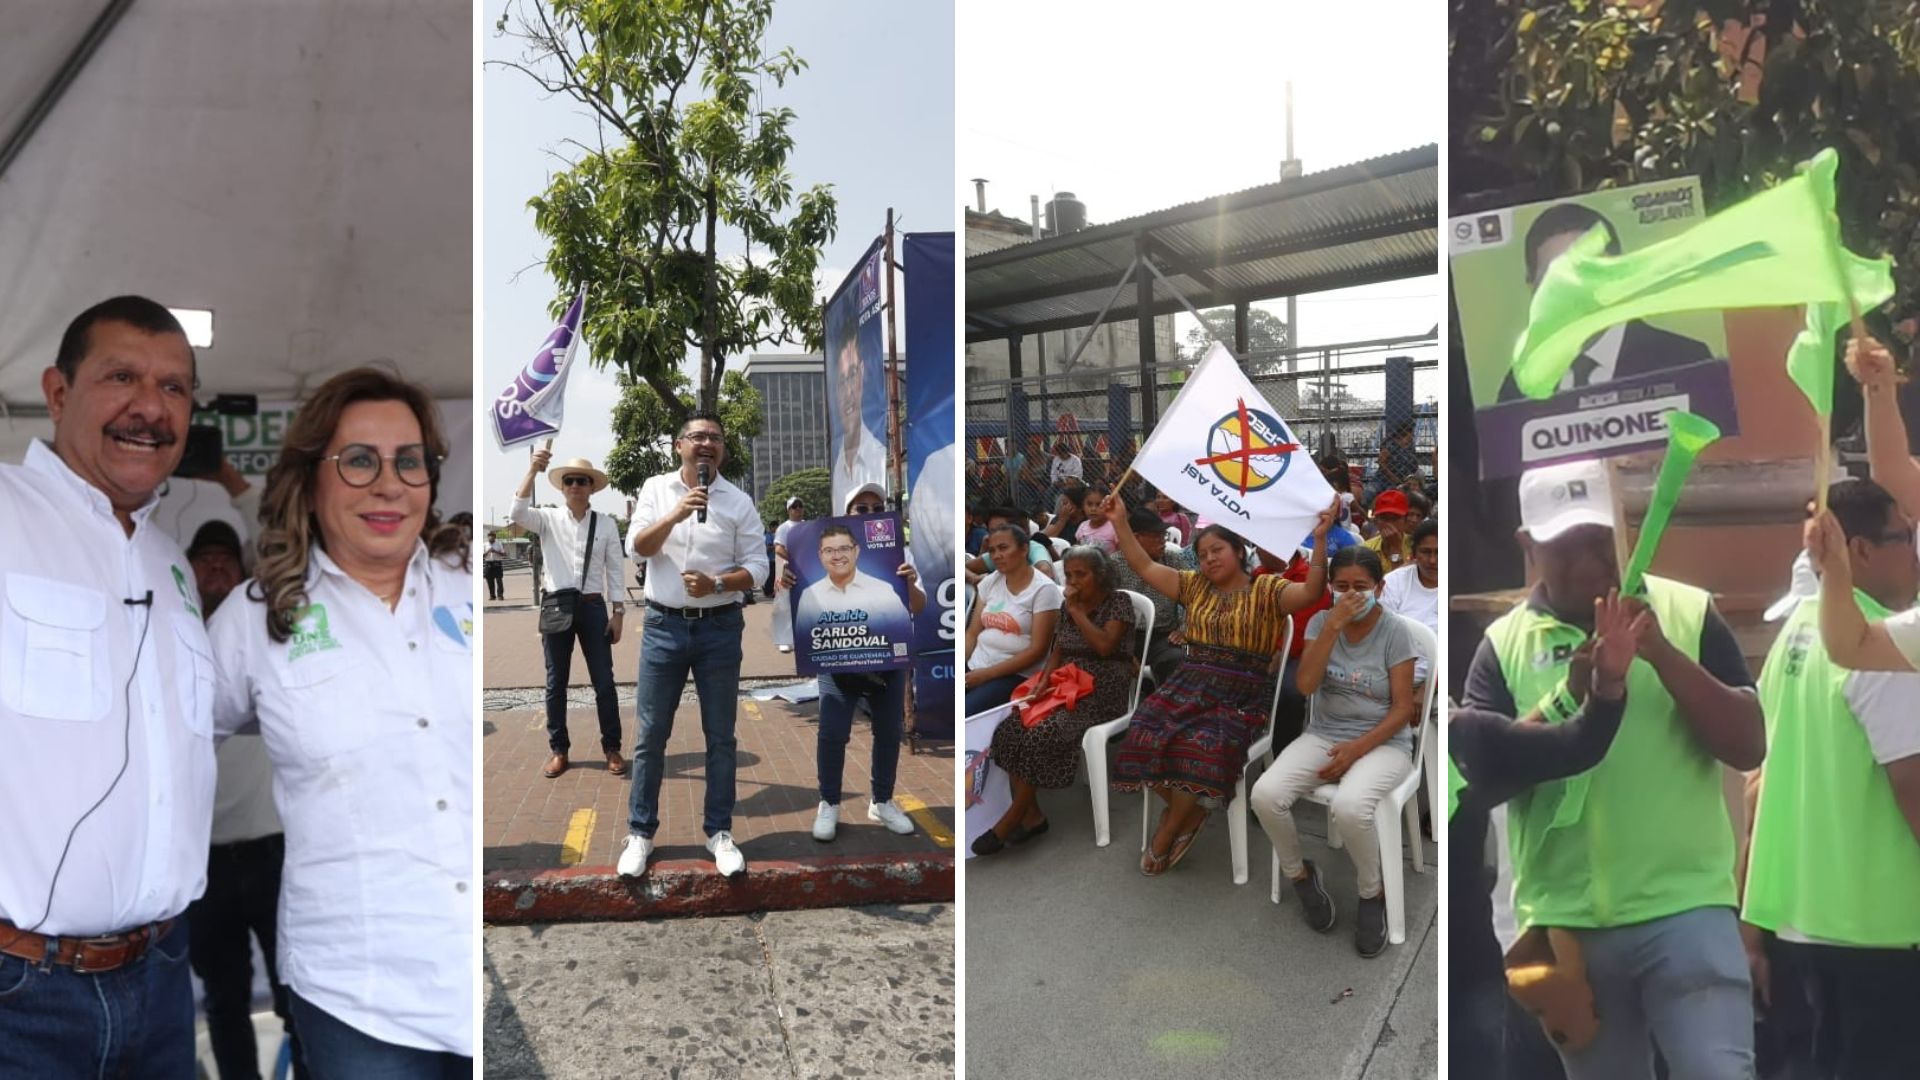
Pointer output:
x,y
1260,750
1093,744
1405,808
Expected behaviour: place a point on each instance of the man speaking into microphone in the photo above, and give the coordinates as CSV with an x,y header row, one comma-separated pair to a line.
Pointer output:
x,y
705,550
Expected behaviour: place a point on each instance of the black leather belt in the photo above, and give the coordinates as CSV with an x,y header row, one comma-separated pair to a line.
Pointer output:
x,y
693,612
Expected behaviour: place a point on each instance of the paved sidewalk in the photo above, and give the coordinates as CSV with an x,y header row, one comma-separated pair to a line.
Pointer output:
x,y
852,992
1186,975
550,845
511,645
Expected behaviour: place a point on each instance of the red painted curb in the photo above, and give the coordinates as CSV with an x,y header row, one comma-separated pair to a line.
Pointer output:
x,y
692,887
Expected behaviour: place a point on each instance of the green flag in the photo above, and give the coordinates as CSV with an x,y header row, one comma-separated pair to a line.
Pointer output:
x,y
1772,250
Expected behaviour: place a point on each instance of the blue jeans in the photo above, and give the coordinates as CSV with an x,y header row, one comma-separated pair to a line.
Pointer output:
x,y
992,694
885,693
135,1021
1680,982
671,648
590,629
339,1051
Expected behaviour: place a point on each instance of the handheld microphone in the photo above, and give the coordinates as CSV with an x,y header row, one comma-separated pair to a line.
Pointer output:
x,y
706,478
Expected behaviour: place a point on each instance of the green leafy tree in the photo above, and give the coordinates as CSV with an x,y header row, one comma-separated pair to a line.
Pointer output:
x,y
683,221
1555,97
814,486
644,426
1266,332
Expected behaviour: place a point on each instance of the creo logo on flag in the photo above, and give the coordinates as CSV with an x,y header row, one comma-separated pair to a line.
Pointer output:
x,y
1249,449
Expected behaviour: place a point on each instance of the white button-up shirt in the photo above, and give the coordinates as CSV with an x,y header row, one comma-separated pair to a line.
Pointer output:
x,y
368,716
863,592
563,548
732,537
84,673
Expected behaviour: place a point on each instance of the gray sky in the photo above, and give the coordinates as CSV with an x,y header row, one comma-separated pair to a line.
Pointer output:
x,y
1134,114
875,120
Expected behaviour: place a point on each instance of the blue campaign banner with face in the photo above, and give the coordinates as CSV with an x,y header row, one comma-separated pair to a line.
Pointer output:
x,y
850,609
928,261
856,378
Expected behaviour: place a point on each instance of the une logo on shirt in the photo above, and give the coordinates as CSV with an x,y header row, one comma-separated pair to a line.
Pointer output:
x,y
310,632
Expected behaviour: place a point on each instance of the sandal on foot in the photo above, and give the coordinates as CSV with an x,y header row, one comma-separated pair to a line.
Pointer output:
x,y
1184,842
1152,865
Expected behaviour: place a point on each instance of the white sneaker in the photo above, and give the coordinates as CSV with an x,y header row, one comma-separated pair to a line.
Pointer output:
x,y
633,856
784,648
726,858
826,821
894,818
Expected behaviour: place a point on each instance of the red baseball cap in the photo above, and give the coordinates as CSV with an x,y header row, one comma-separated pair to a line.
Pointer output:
x,y
1390,501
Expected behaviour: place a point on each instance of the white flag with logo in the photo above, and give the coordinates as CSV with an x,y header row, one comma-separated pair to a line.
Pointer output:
x,y
1221,451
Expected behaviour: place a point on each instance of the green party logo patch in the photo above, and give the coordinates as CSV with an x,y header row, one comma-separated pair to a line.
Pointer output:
x,y
310,632
180,582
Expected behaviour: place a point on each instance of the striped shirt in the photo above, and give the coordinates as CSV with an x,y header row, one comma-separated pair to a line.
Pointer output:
x,y
1248,619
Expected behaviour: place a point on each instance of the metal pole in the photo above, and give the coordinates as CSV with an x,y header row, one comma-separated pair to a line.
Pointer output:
x,y
1143,322
1241,311
63,77
895,481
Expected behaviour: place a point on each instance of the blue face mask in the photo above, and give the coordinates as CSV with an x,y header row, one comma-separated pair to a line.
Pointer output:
x,y
1366,609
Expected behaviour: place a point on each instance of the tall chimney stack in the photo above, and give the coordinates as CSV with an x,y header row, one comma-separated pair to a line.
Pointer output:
x,y
980,194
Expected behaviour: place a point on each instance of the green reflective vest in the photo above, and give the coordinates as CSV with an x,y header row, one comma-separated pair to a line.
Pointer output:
x,y
1640,836
1832,855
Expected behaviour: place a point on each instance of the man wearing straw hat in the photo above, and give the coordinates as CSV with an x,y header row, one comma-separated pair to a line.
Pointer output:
x,y
1633,860
583,567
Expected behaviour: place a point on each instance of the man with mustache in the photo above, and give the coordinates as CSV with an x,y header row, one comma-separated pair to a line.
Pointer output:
x,y
106,687
697,573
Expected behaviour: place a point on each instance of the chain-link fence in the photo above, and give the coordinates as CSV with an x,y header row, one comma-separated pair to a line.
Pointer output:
x,y
1342,401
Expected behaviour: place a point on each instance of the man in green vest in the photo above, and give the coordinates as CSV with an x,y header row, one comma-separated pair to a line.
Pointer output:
x,y
1834,868
1634,857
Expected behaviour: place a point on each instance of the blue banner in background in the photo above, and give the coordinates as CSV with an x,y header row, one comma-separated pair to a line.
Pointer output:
x,y
927,260
857,379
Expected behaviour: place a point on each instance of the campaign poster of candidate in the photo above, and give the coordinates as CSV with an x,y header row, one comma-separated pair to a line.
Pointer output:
x,y
928,264
856,379
1627,378
849,601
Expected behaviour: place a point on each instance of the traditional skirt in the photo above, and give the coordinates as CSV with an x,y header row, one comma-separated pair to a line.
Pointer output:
x,y
1193,733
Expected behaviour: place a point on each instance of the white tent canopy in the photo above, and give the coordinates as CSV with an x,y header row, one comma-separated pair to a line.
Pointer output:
x,y
302,169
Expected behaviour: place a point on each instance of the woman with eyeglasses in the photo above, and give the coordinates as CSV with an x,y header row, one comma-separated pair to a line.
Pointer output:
x,y
1188,740
1358,669
352,652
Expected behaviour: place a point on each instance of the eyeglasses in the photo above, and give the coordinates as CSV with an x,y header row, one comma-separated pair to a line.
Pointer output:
x,y
360,465
866,508
839,549
581,481
698,437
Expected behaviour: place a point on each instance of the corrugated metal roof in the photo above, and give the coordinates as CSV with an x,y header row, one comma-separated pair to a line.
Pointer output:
x,y
1373,220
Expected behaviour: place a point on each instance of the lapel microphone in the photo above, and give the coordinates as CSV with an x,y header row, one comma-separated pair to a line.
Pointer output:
x,y
145,601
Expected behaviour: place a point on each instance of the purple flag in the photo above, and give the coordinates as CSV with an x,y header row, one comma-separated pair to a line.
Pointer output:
x,y
532,404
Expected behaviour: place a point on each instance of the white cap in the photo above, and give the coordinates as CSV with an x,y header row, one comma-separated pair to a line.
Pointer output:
x,y
1555,498
793,502
865,489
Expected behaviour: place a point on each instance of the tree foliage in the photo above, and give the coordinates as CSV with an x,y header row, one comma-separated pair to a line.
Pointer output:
x,y
814,486
1555,97
644,426
1266,332
683,221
